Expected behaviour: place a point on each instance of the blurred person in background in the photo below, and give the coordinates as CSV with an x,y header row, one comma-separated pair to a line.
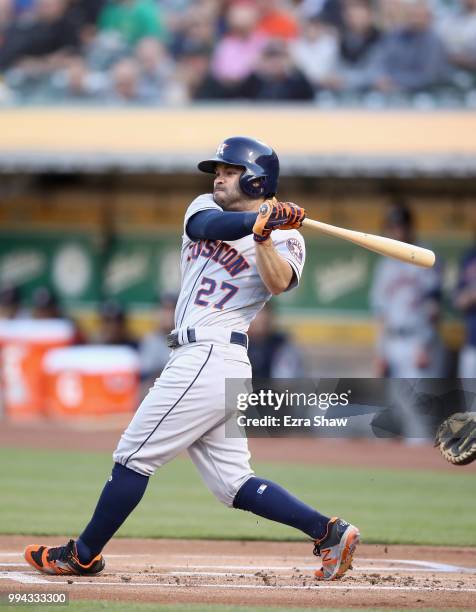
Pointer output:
x,y
465,301
458,33
77,83
316,52
237,53
51,29
10,302
272,354
7,13
277,19
331,12
124,84
276,78
359,32
45,305
196,27
411,58
192,73
156,72
359,44
406,300
133,20
154,351
113,326
390,14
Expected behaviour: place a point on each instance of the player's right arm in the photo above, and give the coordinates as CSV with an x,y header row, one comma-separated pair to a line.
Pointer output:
x,y
214,224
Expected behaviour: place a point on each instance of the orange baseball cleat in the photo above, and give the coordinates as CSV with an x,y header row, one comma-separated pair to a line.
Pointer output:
x,y
61,560
337,549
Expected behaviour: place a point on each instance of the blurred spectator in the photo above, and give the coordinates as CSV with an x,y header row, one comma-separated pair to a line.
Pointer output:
x,y
124,83
359,33
7,12
459,35
271,352
237,54
156,72
358,45
45,305
103,50
52,28
411,58
113,326
10,302
192,72
389,14
153,350
345,46
465,300
276,78
332,13
276,19
196,28
133,19
406,300
308,9
77,83
316,53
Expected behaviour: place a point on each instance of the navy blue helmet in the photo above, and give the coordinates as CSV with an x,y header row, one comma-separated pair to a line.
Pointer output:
x,y
260,163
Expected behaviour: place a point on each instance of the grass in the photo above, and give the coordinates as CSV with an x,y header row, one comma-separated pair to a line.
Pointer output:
x,y
54,493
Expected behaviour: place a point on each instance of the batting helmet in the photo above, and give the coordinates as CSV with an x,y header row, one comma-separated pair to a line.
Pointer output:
x,y
260,162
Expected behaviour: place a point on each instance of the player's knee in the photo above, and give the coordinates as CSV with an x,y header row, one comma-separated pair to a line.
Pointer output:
x,y
227,493
135,465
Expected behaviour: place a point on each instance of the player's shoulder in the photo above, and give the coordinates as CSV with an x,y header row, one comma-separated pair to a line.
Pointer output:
x,y
204,200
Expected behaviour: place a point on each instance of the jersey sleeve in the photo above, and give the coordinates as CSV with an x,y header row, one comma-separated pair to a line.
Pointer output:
x,y
202,202
291,246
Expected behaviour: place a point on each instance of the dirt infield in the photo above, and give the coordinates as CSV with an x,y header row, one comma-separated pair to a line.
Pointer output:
x,y
104,435
264,573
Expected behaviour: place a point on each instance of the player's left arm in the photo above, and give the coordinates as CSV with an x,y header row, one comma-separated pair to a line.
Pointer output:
x,y
276,273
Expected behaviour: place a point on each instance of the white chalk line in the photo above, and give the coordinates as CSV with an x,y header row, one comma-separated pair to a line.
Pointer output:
x,y
23,578
281,587
251,569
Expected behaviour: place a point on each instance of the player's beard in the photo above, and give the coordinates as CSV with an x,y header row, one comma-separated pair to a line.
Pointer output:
x,y
229,199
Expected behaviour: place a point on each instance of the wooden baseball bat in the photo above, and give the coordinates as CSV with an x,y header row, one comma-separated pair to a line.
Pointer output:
x,y
409,253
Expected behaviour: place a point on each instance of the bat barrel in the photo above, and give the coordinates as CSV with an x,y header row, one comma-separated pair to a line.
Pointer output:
x,y
409,253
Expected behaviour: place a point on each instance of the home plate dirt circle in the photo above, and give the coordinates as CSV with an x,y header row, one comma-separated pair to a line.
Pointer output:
x,y
274,573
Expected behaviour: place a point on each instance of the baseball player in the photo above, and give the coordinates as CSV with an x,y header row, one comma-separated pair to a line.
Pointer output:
x,y
406,300
232,261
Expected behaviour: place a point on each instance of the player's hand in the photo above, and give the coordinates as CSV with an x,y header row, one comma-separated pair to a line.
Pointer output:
x,y
296,216
276,215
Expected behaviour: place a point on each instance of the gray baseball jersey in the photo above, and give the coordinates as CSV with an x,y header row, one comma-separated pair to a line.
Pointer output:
x,y
400,297
221,285
185,410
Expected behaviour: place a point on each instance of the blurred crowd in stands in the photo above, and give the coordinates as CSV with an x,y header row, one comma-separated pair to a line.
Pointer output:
x,y
153,52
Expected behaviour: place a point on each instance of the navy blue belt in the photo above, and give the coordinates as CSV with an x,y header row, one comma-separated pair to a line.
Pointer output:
x,y
174,340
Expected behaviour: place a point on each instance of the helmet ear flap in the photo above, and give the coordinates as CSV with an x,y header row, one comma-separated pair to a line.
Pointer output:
x,y
253,186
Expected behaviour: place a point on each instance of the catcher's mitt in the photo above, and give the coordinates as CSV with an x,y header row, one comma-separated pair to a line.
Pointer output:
x,y
456,438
